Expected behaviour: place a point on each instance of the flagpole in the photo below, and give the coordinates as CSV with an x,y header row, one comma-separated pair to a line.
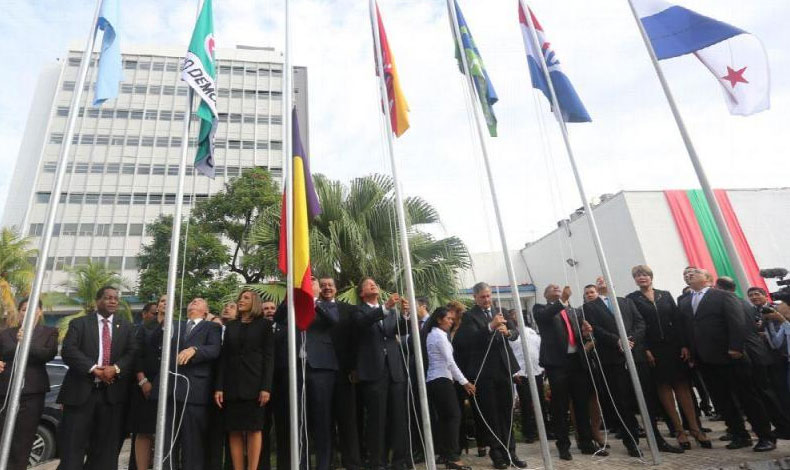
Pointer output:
x,y
729,245
430,459
29,322
596,236
172,272
293,402
533,385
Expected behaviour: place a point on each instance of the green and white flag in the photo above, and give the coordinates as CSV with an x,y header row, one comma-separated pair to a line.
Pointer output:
x,y
200,72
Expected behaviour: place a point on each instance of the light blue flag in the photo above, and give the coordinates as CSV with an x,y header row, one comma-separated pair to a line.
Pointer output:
x,y
110,67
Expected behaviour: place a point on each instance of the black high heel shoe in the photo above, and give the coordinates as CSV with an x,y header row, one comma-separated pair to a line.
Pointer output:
x,y
685,445
704,443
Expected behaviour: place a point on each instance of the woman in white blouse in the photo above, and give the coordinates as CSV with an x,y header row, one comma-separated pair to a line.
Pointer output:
x,y
442,371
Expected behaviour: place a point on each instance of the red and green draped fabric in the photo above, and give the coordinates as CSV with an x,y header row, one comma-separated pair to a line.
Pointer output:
x,y
702,240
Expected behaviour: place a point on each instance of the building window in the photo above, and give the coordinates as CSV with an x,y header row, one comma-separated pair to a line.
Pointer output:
x,y
81,260
76,198
170,199
63,111
124,199
36,230
151,115
56,138
140,89
172,170
122,113
50,167
140,199
126,88
61,263
162,141
135,230
68,86
158,169
136,114
165,115
233,171
69,229
147,141
114,262
92,198
81,168
132,263
103,230
118,230
175,141
132,141
97,168
113,168
158,66
86,229
127,169
103,139
155,199
143,169
108,198
130,64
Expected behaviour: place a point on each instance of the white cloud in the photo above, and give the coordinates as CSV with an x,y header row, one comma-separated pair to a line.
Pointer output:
x,y
632,143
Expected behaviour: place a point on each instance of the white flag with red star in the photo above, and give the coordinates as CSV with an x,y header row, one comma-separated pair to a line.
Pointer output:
x,y
736,58
741,67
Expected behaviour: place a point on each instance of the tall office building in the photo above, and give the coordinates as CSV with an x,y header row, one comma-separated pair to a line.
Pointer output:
x,y
123,168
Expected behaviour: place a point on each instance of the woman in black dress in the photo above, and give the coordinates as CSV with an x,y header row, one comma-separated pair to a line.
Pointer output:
x,y
244,379
43,348
142,409
667,353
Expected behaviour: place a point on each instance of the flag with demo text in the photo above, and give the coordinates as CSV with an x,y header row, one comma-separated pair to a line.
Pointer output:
x,y
200,73
736,58
305,208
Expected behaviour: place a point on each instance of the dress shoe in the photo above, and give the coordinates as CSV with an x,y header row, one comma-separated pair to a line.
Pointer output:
x,y
591,449
704,429
717,417
665,446
739,443
481,452
518,462
764,445
501,465
441,460
726,437
565,454
455,466
633,451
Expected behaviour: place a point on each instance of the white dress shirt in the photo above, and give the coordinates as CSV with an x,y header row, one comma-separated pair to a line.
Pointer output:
x,y
533,342
440,358
696,298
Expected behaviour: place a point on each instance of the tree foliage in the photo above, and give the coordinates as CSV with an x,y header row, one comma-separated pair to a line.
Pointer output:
x,y
356,236
16,270
202,274
231,212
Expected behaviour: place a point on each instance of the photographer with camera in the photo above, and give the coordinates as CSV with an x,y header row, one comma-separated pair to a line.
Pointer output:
x,y
776,331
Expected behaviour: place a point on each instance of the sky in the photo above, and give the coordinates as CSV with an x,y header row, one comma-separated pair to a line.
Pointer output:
x,y
632,143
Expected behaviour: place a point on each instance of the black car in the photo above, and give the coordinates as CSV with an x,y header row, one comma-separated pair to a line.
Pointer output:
x,y
45,445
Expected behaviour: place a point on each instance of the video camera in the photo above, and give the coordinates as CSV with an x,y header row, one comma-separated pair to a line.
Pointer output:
x,y
783,294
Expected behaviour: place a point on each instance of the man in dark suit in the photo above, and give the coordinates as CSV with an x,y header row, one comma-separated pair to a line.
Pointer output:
x,y
492,371
344,396
99,349
762,311
715,325
196,346
276,413
317,355
382,375
762,359
561,353
614,390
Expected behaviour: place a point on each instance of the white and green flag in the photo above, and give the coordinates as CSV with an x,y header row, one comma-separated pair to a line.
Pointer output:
x,y
200,72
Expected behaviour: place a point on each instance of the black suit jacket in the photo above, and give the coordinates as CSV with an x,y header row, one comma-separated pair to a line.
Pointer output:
x,y
80,352
755,346
473,337
718,326
319,347
606,334
246,365
344,337
375,338
43,348
149,350
554,335
206,336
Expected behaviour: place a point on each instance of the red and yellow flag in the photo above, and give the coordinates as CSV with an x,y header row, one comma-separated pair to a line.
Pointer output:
x,y
306,207
399,109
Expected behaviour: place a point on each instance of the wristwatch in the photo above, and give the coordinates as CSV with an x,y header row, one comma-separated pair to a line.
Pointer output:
x,y
117,369
142,382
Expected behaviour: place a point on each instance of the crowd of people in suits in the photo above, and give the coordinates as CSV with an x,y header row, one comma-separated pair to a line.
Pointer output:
x,y
357,378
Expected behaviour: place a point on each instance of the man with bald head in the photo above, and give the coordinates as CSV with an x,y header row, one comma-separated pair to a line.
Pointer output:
x,y
195,347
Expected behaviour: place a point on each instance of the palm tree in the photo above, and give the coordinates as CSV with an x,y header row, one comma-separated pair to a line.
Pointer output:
x,y
16,270
356,236
83,283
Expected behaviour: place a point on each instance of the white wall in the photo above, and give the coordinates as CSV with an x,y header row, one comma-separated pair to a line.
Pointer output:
x,y
21,186
659,239
547,257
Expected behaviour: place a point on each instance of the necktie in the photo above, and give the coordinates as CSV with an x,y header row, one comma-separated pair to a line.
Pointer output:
x,y
608,304
695,299
190,325
488,313
571,338
106,343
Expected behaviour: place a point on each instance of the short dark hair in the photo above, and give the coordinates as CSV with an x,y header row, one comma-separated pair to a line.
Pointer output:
x,y
362,282
321,278
422,301
591,285
100,292
149,306
726,283
480,287
756,289
25,300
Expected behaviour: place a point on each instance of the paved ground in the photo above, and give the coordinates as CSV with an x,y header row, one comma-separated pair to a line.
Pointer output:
x,y
695,459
